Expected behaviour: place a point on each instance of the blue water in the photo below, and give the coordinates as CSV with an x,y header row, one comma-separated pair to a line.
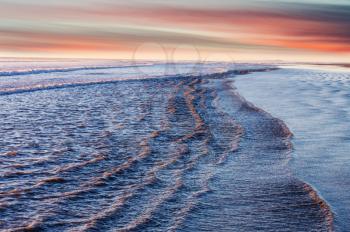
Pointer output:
x,y
167,153
315,104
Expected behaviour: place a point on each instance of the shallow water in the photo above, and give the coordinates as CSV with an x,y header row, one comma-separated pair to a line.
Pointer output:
x,y
183,153
315,104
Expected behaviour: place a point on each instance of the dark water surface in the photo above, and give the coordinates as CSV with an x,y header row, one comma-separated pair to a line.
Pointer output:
x,y
176,154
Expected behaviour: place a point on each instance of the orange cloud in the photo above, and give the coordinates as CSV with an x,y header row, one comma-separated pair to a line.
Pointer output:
x,y
315,30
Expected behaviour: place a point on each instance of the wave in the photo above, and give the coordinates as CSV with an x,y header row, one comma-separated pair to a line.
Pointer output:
x,y
150,178
71,167
170,191
85,187
63,70
325,208
131,191
145,151
10,153
51,84
180,215
184,139
195,97
148,213
280,130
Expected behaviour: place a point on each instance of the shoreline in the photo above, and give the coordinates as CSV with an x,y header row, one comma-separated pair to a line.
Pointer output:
x,y
288,137
311,142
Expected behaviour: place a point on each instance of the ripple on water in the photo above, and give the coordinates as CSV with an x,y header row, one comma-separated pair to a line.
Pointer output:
x,y
147,155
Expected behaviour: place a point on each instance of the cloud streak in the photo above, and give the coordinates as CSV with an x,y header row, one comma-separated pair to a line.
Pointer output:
x,y
284,26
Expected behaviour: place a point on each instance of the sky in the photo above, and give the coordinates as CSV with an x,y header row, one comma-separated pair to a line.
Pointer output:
x,y
200,30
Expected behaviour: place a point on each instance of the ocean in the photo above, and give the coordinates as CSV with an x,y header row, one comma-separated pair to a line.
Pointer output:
x,y
171,147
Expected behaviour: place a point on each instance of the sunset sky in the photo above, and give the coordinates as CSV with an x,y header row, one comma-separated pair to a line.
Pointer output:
x,y
291,30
